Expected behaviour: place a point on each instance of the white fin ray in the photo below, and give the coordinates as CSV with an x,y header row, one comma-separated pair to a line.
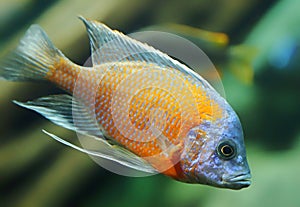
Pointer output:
x,y
112,46
112,153
60,109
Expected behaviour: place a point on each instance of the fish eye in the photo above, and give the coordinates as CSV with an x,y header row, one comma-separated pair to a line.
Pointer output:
x,y
226,150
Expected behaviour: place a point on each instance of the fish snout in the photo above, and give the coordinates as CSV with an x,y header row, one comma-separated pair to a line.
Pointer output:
x,y
238,181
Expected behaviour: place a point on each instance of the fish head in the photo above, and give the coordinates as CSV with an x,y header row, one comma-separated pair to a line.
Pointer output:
x,y
214,153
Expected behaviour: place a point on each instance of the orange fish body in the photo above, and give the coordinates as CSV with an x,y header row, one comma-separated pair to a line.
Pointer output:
x,y
147,111
157,95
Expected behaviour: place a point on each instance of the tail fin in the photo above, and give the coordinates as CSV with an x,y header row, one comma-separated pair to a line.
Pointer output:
x,y
32,59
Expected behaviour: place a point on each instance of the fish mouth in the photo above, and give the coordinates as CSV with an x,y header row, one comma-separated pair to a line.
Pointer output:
x,y
238,181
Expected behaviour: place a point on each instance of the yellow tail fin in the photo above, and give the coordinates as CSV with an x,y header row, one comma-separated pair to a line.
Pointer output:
x,y
32,59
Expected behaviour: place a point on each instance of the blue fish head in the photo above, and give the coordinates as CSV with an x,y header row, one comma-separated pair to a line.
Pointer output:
x,y
215,154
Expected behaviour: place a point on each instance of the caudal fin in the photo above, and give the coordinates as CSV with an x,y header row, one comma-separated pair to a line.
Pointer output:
x,y
32,59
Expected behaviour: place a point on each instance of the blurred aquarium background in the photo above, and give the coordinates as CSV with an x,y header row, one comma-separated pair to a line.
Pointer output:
x,y
258,59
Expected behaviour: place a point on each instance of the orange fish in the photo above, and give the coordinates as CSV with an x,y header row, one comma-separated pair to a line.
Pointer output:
x,y
143,109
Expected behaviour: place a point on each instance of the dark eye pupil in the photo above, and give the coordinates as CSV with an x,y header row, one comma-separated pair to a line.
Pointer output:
x,y
227,150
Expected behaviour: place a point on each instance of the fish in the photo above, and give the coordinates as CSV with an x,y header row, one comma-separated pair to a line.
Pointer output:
x,y
142,109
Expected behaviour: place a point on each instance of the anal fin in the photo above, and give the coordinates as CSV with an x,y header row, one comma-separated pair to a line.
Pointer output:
x,y
111,153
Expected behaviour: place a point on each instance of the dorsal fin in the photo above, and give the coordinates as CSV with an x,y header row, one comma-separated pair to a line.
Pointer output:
x,y
112,46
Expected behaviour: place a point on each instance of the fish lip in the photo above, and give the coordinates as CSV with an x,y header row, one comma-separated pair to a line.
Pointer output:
x,y
238,181
240,177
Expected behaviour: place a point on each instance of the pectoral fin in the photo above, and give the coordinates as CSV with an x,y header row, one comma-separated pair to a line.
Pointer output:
x,y
65,111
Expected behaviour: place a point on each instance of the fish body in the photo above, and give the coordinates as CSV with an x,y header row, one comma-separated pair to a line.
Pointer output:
x,y
146,87
150,112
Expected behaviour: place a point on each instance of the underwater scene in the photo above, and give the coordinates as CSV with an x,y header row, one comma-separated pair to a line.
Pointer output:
x,y
235,64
